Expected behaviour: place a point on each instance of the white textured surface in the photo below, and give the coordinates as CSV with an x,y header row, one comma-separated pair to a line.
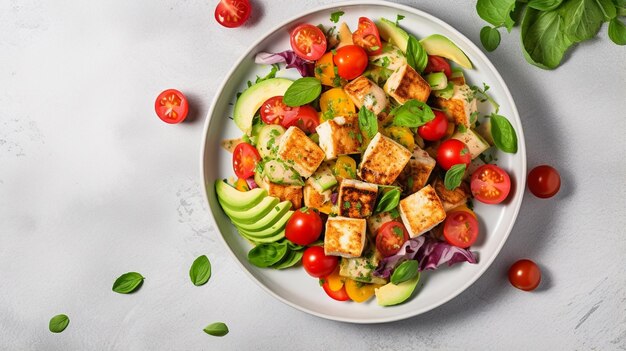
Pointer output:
x,y
92,185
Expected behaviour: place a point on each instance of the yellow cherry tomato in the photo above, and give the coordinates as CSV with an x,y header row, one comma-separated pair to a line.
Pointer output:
x,y
325,71
463,208
241,185
335,281
335,102
345,168
402,135
360,292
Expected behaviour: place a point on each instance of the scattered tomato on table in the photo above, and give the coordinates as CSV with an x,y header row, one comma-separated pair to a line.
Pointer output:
x,y
232,13
525,275
544,181
171,106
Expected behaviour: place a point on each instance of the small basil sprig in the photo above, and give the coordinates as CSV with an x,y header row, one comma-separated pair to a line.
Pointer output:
x,y
407,270
412,114
368,122
302,91
503,134
454,176
265,255
58,323
388,201
617,31
216,329
200,271
334,17
416,55
128,282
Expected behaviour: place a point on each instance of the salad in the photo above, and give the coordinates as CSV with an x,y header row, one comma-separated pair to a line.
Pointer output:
x,y
364,170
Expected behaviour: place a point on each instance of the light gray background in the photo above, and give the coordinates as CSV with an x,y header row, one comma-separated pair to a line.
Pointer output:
x,y
93,184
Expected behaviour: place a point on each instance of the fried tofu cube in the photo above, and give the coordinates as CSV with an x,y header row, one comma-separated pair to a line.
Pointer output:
x,y
365,93
421,211
340,136
292,193
405,84
376,221
451,198
416,173
460,106
315,199
300,152
345,237
383,160
356,198
362,268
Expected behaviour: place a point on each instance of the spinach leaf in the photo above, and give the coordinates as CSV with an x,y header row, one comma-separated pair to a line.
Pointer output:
x,y
128,282
290,259
544,41
503,134
490,38
617,32
583,18
388,201
544,5
407,270
200,271
454,176
265,255
416,55
497,12
216,329
58,323
412,114
368,122
302,91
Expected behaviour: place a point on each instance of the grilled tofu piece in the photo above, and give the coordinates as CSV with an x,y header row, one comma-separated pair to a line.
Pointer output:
x,y
475,143
300,152
340,136
291,193
315,199
383,160
365,93
405,84
376,221
421,211
416,173
344,237
356,198
361,269
451,198
460,106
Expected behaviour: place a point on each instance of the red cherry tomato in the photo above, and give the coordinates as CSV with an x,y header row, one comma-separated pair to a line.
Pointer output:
x,y
351,61
390,238
232,13
339,295
460,229
453,152
308,42
544,181
304,117
316,263
525,275
438,64
245,158
435,129
274,110
304,226
367,37
171,106
490,184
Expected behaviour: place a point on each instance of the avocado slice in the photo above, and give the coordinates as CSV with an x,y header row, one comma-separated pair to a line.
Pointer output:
x,y
267,232
252,98
392,294
440,45
269,239
255,213
392,33
270,218
238,200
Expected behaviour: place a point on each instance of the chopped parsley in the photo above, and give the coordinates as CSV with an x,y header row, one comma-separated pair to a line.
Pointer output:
x,y
346,205
398,19
334,17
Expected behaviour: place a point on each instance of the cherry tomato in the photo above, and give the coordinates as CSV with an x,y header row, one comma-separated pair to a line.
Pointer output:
x,y
351,61
245,158
438,64
304,226
367,37
274,110
308,42
490,184
171,106
435,129
460,229
316,263
360,292
525,275
232,13
339,295
453,152
544,181
390,238
305,118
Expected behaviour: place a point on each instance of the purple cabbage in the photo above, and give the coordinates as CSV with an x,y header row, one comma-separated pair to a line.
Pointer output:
x,y
251,183
429,252
333,198
290,58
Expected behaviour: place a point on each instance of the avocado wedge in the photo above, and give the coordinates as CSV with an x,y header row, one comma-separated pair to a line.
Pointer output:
x,y
267,232
238,200
269,219
255,213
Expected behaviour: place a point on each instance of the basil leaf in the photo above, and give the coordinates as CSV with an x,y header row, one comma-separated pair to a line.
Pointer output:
x,y
543,38
388,201
583,18
334,17
497,12
503,134
544,5
216,329
416,55
368,122
265,255
200,271
454,176
302,91
412,114
58,323
617,32
490,38
407,270
128,282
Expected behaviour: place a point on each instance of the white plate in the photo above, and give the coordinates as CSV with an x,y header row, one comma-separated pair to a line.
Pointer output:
x,y
293,286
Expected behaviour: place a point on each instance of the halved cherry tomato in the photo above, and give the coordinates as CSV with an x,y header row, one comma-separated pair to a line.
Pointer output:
x,y
345,168
436,128
305,118
360,292
274,110
544,181
525,275
339,295
453,152
171,106
245,158
241,185
325,71
463,208
490,184
335,102
335,281
308,42
351,61
367,37
232,13
316,263
438,64
390,238
460,229
304,226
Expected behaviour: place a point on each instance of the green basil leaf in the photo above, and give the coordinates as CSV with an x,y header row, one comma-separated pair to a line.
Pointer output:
x,y
412,114
216,329
503,134
388,201
544,41
58,323
544,5
416,55
334,17
265,255
582,18
454,176
368,122
497,12
200,271
490,38
302,91
407,270
128,282
617,32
